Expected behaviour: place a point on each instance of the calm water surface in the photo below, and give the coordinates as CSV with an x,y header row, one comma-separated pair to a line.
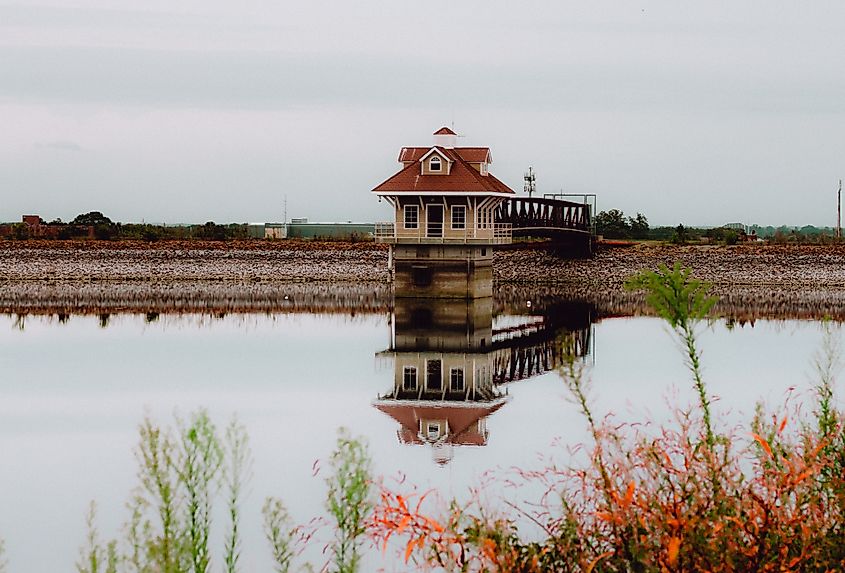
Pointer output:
x,y
72,395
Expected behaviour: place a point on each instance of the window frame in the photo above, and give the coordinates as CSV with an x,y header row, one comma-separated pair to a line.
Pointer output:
x,y
429,378
438,430
416,222
457,375
435,158
463,223
407,371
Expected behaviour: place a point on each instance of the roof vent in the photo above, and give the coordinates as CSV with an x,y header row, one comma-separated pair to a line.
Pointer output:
x,y
445,137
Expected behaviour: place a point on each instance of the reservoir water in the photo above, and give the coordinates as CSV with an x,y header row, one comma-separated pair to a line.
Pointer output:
x,y
440,396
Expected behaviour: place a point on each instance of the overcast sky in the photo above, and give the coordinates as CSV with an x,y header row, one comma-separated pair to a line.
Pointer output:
x,y
188,111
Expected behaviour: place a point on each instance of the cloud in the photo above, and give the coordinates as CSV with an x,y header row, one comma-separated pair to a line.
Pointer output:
x,y
255,80
61,145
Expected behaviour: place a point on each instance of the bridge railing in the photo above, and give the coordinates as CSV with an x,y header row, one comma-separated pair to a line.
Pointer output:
x,y
537,213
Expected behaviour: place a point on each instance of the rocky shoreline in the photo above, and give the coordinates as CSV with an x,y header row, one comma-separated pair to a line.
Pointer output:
x,y
90,276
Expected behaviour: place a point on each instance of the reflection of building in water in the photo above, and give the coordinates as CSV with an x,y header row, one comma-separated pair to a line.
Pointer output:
x,y
449,363
443,387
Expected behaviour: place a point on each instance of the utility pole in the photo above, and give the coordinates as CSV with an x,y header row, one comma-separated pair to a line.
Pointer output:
x,y
530,181
839,211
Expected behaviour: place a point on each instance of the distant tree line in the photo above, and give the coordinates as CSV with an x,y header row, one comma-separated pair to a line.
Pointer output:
x,y
97,226
614,224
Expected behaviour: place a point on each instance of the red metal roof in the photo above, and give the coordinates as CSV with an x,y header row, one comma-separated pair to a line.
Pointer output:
x,y
444,131
474,154
469,154
462,177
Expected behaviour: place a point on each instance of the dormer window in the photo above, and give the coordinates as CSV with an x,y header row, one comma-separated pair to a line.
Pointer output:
x,y
483,169
434,164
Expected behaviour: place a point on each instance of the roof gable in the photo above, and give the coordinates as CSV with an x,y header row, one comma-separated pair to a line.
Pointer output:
x,y
462,178
436,151
444,131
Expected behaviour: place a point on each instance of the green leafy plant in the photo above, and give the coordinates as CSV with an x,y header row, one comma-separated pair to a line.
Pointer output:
x,y
200,460
138,535
157,472
683,302
279,533
349,499
94,557
169,525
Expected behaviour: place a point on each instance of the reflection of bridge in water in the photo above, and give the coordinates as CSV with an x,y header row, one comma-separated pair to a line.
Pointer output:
x,y
451,364
532,348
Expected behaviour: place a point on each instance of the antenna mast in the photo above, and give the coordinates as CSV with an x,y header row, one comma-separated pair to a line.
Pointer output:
x,y
839,211
530,181
286,209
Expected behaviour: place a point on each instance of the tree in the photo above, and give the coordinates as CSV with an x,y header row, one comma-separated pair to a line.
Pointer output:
x,y
93,219
681,237
20,231
211,231
104,228
613,224
639,226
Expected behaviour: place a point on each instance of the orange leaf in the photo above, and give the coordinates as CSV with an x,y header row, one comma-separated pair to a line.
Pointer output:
x,y
629,495
437,527
403,523
801,477
595,561
782,425
764,444
409,549
672,551
401,501
605,516
420,500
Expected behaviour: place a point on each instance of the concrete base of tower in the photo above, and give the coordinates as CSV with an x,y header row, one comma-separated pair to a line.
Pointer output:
x,y
442,271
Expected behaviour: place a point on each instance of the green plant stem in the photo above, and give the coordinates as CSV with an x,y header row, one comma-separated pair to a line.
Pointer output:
x,y
236,473
701,389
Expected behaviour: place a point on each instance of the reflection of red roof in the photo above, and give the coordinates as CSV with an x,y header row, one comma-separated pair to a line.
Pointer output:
x,y
444,131
463,419
462,178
